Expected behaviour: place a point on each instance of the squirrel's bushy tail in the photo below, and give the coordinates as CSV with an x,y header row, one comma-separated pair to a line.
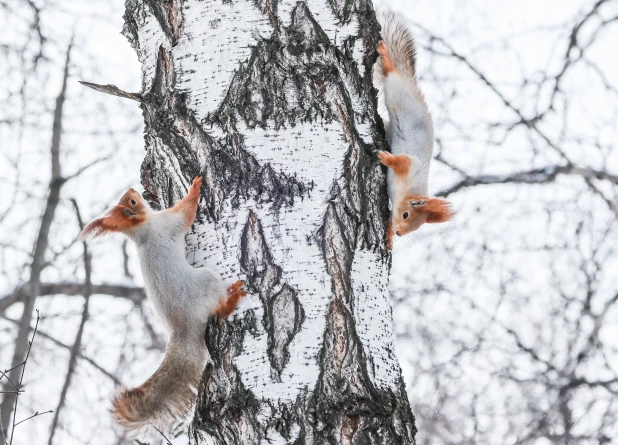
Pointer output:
x,y
166,397
400,45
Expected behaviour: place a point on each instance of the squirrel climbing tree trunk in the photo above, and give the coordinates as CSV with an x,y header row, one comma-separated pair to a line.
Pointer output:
x,y
272,102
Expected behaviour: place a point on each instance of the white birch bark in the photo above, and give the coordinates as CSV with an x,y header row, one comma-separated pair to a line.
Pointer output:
x,y
272,101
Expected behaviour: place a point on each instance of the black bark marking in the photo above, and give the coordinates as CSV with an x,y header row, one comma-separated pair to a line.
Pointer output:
x,y
337,254
345,403
286,316
233,174
261,90
168,14
269,7
301,62
256,260
133,17
223,399
297,62
283,312
239,173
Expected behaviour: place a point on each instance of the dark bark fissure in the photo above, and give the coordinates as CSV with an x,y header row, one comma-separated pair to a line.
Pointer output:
x,y
263,276
284,327
269,7
223,401
298,61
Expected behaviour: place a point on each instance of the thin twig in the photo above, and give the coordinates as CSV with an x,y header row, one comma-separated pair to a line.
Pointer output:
x,y
166,439
21,379
34,415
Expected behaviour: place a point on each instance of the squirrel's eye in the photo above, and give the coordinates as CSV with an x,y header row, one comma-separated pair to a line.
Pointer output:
x,y
133,202
405,215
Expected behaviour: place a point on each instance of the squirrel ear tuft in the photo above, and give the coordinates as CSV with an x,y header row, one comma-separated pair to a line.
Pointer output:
x,y
94,229
440,210
118,219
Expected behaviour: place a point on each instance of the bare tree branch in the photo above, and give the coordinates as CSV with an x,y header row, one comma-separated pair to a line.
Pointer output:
x,y
134,294
38,261
542,175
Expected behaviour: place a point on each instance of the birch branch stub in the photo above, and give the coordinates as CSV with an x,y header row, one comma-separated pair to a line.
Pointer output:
x,y
272,102
113,90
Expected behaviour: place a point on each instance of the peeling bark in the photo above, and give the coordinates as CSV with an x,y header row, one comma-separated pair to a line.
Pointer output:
x,y
272,102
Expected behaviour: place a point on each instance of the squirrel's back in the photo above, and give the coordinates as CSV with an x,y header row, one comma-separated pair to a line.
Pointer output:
x,y
400,44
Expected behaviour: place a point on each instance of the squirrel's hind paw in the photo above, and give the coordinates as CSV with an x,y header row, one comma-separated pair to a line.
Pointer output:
x,y
197,182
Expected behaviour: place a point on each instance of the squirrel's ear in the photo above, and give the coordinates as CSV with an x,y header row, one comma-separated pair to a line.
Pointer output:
x,y
418,203
439,210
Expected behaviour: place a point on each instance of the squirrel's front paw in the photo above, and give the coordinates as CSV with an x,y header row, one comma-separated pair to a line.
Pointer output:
x,y
234,293
387,63
237,287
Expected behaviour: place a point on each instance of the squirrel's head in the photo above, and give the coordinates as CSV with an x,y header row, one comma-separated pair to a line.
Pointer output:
x,y
414,211
130,212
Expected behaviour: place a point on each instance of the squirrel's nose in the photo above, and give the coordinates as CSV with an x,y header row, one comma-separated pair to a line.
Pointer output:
x,y
397,232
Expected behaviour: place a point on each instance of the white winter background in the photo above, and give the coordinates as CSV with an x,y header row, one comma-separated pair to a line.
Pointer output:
x,y
506,318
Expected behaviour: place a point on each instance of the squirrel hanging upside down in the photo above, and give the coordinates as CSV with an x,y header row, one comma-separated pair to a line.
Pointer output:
x,y
183,296
409,133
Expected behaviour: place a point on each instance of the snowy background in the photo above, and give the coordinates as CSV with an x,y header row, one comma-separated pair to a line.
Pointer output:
x,y
506,318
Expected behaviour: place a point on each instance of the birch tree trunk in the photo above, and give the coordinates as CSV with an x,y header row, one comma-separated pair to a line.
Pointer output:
x,y
272,101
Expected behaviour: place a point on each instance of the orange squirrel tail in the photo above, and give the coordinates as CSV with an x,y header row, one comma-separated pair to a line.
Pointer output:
x,y
168,396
